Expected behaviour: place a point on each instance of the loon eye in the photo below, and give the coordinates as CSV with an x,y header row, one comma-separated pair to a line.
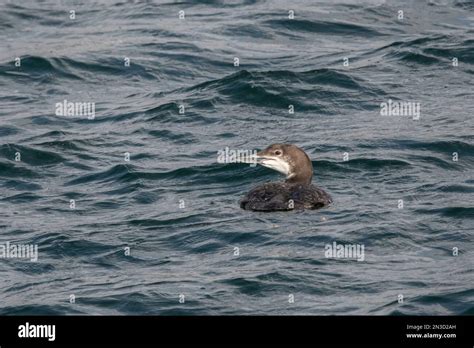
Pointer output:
x,y
278,152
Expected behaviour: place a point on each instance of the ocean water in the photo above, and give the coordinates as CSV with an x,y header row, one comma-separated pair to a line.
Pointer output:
x,y
402,185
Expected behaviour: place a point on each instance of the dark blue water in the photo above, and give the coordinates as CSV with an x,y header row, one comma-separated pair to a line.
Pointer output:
x,y
189,250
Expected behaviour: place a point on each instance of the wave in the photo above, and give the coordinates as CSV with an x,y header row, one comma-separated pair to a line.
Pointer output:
x,y
30,155
455,212
444,146
48,69
429,50
37,68
280,88
117,173
375,163
323,27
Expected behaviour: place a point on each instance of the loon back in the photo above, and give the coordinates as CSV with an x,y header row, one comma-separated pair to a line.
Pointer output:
x,y
285,196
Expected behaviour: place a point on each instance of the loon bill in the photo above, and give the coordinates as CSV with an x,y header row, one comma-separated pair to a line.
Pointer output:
x,y
296,192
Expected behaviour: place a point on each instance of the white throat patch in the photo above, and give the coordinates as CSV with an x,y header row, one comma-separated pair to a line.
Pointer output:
x,y
277,164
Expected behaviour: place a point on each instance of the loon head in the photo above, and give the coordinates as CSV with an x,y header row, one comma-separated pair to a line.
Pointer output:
x,y
289,160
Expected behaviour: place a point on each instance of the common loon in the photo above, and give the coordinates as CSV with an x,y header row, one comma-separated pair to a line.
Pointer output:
x,y
296,192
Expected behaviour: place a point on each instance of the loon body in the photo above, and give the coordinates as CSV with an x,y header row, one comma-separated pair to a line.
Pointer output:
x,y
296,192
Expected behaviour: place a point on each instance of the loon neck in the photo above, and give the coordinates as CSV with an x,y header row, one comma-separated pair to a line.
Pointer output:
x,y
301,179
301,170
